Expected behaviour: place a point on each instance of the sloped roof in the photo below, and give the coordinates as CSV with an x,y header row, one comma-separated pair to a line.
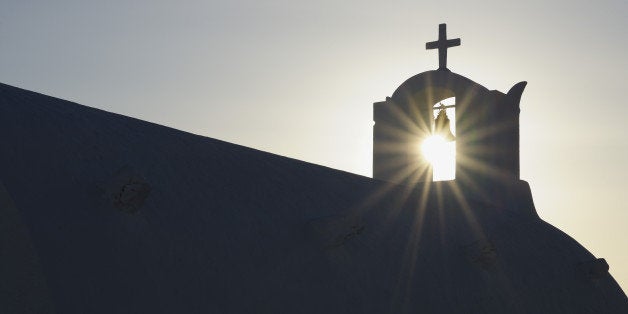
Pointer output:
x,y
126,216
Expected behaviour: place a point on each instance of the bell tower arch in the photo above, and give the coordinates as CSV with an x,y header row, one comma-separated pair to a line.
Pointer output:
x,y
487,128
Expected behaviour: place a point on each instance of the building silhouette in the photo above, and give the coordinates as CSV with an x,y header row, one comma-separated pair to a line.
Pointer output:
x,y
102,213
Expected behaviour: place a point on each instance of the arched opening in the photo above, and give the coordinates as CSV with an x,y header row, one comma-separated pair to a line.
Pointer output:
x,y
439,149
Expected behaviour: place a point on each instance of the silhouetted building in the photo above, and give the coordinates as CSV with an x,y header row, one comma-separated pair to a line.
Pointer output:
x,y
102,213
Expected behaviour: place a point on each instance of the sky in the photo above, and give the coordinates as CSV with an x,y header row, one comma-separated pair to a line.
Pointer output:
x,y
298,78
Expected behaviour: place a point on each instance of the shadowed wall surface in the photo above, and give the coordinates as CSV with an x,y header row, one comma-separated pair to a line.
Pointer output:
x,y
127,216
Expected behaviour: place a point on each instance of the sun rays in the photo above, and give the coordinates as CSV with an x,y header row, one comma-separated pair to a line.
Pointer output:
x,y
434,158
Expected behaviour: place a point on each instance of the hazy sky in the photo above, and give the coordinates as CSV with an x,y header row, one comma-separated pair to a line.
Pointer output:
x,y
298,78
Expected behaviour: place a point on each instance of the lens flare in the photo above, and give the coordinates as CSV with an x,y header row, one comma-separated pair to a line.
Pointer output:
x,y
441,154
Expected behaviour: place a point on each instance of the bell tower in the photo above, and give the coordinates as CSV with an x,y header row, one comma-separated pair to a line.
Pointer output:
x,y
486,139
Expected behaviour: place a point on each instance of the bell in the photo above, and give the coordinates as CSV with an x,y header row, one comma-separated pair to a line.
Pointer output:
x,y
442,127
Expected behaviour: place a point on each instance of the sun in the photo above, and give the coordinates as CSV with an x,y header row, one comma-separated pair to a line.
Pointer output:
x,y
441,154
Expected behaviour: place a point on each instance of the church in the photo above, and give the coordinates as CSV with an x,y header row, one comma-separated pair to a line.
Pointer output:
x,y
103,213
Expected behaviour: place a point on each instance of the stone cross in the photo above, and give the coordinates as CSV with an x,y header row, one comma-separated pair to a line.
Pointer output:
x,y
442,44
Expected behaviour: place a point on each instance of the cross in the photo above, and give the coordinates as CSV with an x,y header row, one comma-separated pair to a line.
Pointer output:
x,y
442,44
